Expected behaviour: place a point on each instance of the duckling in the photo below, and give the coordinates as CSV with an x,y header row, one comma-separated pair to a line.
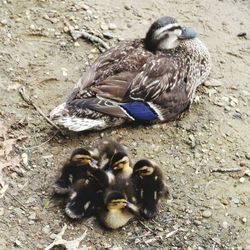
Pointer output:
x,y
113,158
146,80
74,169
87,194
149,185
120,166
105,149
116,210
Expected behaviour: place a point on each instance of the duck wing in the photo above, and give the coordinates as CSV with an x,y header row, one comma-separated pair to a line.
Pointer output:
x,y
164,84
112,62
156,77
102,98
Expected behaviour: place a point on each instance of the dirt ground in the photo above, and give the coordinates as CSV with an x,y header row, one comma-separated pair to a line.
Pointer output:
x,y
206,210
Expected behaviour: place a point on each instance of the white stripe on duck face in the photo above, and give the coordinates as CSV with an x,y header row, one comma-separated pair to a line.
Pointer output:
x,y
159,32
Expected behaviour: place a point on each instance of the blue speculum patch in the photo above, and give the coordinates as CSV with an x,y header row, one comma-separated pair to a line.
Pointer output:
x,y
140,111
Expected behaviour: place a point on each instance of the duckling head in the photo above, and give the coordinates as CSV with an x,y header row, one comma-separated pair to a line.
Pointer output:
x,y
166,33
81,156
143,168
102,178
120,163
115,200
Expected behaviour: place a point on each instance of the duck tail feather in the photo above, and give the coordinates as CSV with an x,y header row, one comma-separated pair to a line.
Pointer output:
x,y
78,124
58,111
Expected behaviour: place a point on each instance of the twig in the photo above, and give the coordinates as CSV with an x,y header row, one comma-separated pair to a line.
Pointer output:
x,y
69,245
29,101
233,54
147,227
150,241
38,146
209,183
139,236
223,170
171,233
94,39
19,202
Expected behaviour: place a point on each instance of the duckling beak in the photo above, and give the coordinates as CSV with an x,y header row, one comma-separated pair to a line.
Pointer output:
x,y
188,33
117,204
85,161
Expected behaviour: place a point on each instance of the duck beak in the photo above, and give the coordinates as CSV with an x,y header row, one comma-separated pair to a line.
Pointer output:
x,y
188,33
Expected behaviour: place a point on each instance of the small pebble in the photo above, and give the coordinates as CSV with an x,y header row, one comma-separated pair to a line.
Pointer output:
x,y
197,222
116,248
112,26
66,29
225,224
108,35
127,7
62,43
247,155
32,216
65,73
52,236
46,229
90,56
1,211
104,26
244,219
76,44
214,83
32,27
206,213
224,201
225,99
18,243
25,159
242,180
4,22
235,200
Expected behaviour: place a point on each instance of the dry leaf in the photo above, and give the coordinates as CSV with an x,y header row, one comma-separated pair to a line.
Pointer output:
x,y
68,244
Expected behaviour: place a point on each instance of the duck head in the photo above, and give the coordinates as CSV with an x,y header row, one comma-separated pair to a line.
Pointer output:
x,y
120,162
81,156
166,33
143,168
115,200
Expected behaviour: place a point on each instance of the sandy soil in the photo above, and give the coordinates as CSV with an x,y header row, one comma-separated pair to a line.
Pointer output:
x,y
207,210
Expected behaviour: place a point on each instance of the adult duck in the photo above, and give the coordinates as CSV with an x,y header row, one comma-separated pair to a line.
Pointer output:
x,y
143,80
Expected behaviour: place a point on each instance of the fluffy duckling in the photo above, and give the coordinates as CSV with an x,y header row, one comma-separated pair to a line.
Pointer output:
x,y
149,185
105,149
87,194
120,166
116,210
114,158
75,168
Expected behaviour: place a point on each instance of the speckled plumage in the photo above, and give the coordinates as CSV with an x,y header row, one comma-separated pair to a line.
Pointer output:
x,y
162,81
